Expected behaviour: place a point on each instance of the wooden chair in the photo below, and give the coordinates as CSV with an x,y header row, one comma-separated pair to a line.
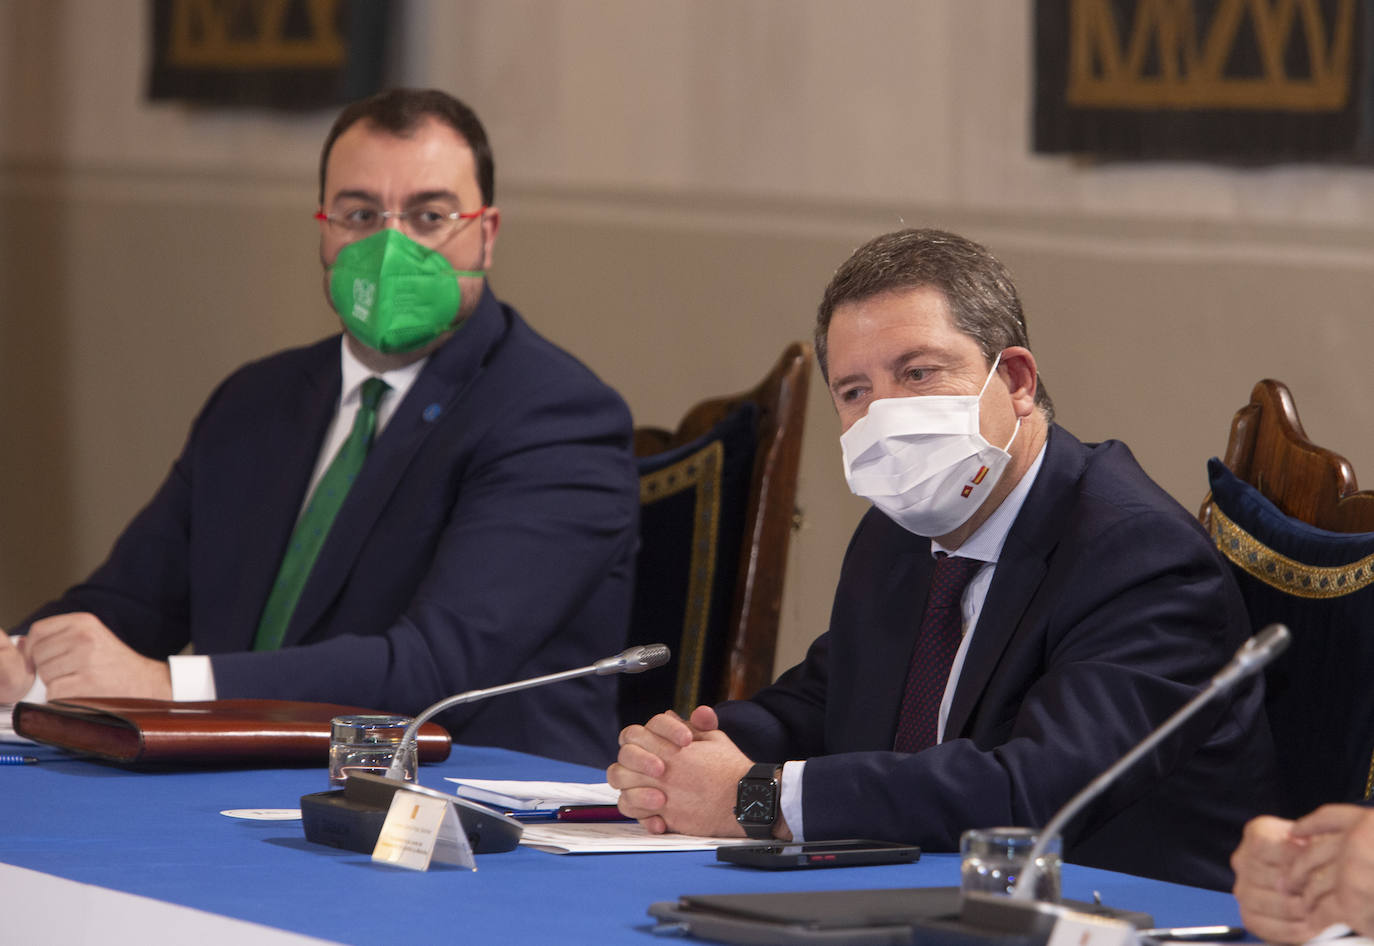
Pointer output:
x,y
1269,450
1299,535
739,538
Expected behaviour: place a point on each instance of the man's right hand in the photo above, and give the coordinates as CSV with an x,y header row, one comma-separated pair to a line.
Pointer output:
x,y
1270,907
16,670
1336,871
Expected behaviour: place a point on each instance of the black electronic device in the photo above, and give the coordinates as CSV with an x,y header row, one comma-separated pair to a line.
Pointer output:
x,y
798,855
917,916
351,817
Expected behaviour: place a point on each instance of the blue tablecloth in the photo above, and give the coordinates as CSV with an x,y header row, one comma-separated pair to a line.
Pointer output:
x,y
160,834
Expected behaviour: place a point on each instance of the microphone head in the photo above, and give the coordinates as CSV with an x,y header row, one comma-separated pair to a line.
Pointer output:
x,y
1265,646
646,657
1253,655
1275,637
634,659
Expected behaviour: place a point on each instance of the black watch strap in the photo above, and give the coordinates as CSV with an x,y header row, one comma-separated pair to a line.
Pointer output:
x,y
757,801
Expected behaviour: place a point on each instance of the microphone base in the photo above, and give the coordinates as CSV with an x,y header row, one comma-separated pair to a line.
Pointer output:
x,y
331,818
1004,914
351,817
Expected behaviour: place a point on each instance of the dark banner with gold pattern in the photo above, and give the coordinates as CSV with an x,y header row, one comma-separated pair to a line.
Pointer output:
x,y
293,54
1224,80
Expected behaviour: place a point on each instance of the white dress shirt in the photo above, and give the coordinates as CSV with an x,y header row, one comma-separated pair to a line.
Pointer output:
x,y
192,675
985,545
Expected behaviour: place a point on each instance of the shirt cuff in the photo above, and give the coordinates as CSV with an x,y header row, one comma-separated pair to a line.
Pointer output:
x,y
791,800
192,677
38,693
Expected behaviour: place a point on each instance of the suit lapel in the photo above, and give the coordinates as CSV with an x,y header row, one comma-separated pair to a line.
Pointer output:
x,y
1020,569
888,645
445,377
293,440
1017,576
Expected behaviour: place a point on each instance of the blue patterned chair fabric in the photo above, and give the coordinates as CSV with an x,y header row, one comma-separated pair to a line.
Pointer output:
x,y
1320,694
692,504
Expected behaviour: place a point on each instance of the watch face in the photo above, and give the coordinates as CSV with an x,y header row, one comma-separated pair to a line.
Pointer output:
x,y
757,801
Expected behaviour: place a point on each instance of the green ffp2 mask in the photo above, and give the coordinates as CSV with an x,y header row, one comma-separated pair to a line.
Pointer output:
x,y
393,294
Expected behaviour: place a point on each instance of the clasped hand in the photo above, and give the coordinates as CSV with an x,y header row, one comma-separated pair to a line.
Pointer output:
x,y
680,775
77,655
1296,878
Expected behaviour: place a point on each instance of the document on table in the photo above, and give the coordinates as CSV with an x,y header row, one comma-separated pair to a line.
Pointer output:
x,y
525,795
617,837
7,733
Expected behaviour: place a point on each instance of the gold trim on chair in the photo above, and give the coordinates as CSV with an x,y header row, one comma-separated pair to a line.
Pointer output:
x,y
701,470
1280,571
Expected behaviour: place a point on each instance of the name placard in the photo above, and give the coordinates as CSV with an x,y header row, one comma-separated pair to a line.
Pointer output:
x,y
420,830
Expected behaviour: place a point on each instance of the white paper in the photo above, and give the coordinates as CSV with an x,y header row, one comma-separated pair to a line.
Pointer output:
x,y
616,837
7,733
523,795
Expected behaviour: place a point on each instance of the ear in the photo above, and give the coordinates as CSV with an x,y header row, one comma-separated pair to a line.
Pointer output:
x,y
1017,370
491,223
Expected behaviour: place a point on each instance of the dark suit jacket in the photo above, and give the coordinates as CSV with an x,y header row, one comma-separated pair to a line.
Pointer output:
x,y
489,537
1109,608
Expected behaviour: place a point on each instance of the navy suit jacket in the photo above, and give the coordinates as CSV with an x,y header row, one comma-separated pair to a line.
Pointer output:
x,y
489,537
1108,609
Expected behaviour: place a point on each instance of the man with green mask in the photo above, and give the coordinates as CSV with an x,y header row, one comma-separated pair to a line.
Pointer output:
x,y
434,501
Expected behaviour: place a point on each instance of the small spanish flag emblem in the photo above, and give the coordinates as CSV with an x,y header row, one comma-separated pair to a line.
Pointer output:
x,y
978,477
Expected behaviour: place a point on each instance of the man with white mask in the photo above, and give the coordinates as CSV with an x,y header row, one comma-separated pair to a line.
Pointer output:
x,y
1017,611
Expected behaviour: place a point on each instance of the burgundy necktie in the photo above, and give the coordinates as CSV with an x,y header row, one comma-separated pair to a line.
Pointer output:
x,y
936,645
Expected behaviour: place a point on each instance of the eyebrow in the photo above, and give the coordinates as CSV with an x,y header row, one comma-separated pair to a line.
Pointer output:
x,y
426,196
357,195
421,198
837,383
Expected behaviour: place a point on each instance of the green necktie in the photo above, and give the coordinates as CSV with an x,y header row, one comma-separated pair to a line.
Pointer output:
x,y
314,524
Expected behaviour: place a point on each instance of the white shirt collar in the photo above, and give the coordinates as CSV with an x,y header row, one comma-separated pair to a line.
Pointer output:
x,y
355,373
986,543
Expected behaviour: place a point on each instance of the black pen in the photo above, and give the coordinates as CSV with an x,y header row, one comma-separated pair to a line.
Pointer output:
x,y
11,759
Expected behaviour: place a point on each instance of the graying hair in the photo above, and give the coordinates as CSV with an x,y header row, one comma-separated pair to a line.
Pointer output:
x,y
982,298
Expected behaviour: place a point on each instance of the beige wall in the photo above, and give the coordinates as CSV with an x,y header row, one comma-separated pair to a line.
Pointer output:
x,y
678,179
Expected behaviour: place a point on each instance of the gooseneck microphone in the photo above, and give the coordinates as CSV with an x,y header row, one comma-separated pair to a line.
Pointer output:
x,y
352,817
1252,655
631,660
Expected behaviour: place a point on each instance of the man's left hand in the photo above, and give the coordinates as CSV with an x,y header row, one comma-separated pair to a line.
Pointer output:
x,y
77,655
679,775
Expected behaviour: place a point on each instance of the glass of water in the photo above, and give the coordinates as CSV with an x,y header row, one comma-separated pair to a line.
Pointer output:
x,y
995,858
367,744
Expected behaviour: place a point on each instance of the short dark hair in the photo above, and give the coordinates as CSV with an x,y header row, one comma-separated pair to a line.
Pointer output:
x,y
401,111
982,298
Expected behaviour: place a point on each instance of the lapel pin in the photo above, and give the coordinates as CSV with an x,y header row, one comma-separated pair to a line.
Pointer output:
x,y
432,412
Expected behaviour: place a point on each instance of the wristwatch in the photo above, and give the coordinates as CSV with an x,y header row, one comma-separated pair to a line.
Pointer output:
x,y
756,801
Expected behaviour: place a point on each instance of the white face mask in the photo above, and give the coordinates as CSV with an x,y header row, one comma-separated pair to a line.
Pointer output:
x,y
923,461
